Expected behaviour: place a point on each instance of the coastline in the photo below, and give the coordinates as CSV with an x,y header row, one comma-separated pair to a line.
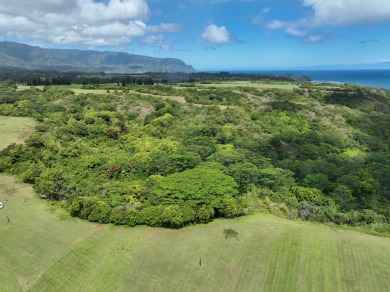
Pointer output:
x,y
377,78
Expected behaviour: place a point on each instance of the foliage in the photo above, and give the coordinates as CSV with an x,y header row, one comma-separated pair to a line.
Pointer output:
x,y
53,252
197,186
137,156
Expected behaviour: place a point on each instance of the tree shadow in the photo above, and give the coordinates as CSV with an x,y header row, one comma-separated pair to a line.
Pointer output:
x,y
231,233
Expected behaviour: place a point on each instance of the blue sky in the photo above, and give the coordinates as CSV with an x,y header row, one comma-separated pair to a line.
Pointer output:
x,y
210,34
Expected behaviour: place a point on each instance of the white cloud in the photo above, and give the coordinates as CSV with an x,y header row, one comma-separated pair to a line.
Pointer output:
x,y
158,42
216,35
315,38
327,13
275,24
165,27
295,32
300,31
82,22
259,18
132,28
153,39
114,9
348,12
18,22
165,48
37,7
266,10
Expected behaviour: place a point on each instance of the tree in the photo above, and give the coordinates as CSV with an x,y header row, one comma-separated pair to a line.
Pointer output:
x,y
306,194
204,213
226,134
150,215
188,213
318,181
245,174
230,207
196,186
100,212
123,215
51,184
227,156
342,195
76,207
273,178
172,215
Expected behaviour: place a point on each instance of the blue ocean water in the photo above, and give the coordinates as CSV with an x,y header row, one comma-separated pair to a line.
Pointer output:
x,y
371,78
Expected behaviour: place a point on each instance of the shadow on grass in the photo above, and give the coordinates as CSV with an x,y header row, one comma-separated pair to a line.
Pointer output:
x,y
231,233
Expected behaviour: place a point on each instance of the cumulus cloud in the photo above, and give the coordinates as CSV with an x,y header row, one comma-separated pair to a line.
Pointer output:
x,y
347,12
330,13
82,22
216,35
300,31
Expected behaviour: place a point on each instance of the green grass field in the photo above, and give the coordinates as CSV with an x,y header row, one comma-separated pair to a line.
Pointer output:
x,y
14,130
76,88
26,87
43,249
265,85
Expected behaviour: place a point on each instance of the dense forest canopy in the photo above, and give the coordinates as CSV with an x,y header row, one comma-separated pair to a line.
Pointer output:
x,y
137,154
53,77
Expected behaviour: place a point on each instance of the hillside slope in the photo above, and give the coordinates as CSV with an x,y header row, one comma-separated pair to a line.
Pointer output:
x,y
132,155
36,58
47,250
44,249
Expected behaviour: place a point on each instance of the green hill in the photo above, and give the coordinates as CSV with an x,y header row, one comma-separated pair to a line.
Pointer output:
x,y
30,57
175,155
44,249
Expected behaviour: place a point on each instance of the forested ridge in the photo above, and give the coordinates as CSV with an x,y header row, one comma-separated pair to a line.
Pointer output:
x,y
133,155
22,56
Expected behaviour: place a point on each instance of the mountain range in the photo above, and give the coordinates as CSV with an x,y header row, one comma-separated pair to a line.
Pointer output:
x,y
17,55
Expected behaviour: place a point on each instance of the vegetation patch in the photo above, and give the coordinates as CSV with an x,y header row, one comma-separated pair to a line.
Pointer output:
x,y
15,130
43,248
134,156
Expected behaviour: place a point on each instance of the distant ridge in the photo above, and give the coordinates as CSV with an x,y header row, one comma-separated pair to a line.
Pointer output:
x,y
17,55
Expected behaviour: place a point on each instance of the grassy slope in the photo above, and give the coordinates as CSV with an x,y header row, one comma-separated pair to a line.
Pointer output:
x,y
74,87
43,249
14,130
259,84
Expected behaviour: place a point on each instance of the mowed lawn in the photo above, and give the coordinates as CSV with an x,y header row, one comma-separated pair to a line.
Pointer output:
x,y
14,130
43,249
265,85
76,88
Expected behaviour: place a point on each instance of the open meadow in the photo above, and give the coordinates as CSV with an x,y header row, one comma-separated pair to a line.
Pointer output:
x,y
44,249
257,84
14,130
76,88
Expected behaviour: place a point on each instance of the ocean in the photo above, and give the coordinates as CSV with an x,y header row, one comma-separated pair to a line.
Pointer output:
x,y
371,78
